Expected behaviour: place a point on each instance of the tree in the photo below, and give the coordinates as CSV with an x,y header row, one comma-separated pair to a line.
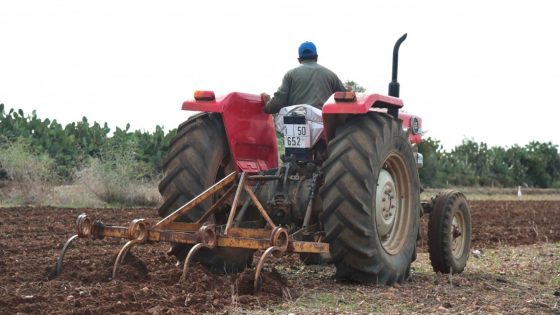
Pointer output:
x,y
542,163
354,86
499,173
431,172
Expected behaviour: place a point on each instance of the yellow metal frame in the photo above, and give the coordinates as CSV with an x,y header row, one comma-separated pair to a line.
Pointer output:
x,y
272,238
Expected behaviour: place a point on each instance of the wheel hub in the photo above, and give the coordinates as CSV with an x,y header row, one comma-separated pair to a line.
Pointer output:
x,y
457,237
386,205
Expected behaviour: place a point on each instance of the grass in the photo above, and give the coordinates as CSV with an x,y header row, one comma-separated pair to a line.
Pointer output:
x,y
503,280
97,187
117,179
28,176
502,194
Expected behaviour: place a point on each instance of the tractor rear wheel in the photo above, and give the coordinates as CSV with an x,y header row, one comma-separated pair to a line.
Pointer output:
x,y
371,200
449,232
198,157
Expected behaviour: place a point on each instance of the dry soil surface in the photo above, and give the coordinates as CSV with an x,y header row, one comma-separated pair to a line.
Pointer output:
x,y
507,277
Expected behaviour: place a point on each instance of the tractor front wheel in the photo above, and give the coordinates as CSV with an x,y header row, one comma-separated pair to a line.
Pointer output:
x,y
371,200
449,232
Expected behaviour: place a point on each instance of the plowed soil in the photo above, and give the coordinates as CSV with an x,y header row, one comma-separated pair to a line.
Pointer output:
x,y
147,282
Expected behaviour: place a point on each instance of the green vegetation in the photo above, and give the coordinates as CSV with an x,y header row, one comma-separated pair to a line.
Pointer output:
x,y
120,176
536,164
30,173
73,145
492,283
119,168
123,167
354,86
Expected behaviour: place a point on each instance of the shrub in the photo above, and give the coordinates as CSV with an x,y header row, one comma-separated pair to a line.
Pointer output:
x,y
117,177
28,175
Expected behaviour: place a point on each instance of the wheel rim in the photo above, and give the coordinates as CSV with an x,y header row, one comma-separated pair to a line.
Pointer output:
x,y
457,234
393,204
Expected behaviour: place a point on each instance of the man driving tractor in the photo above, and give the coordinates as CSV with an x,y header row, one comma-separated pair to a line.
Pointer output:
x,y
309,83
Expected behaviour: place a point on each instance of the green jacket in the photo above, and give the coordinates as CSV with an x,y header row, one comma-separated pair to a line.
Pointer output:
x,y
310,83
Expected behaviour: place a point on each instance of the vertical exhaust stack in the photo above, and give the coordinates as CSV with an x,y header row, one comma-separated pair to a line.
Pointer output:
x,y
394,87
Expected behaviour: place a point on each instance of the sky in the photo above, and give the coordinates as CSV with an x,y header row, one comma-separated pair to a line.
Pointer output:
x,y
488,71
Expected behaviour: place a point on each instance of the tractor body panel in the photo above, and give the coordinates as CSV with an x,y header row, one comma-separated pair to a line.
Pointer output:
x,y
361,105
250,131
336,112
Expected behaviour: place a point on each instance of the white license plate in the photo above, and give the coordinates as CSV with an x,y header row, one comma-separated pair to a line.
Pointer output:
x,y
297,136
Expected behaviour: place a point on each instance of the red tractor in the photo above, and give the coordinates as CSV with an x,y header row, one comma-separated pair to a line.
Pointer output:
x,y
347,191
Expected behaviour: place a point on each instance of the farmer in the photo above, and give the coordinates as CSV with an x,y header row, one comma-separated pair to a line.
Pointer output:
x,y
309,83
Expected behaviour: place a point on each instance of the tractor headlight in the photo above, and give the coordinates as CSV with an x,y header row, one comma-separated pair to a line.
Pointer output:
x,y
414,125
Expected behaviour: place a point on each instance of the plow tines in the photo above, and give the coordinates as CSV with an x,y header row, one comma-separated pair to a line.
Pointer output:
x,y
274,240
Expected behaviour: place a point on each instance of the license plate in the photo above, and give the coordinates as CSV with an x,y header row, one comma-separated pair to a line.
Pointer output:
x,y
297,136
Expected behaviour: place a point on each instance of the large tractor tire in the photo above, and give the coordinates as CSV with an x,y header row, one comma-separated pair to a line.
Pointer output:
x,y
199,157
449,232
371,200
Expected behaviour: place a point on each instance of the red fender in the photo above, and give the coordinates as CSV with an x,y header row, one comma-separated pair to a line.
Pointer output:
x,y
335,112
361,105
250,131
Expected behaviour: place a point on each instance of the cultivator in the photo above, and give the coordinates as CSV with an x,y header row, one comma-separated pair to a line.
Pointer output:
x,y
273,239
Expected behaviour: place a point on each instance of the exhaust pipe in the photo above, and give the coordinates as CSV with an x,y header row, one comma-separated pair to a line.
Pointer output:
x,y
394,87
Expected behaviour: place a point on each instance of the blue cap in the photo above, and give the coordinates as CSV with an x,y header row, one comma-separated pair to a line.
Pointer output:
x,y
307,50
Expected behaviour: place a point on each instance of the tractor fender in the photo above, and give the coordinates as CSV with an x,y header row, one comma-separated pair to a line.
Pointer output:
x,y
250,131
337,112
361,104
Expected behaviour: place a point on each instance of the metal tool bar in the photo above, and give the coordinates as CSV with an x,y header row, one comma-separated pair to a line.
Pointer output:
x,y
249,233
187,233
197,200
111,231
180,227
233,210
218,203
308,247
260,207
264,177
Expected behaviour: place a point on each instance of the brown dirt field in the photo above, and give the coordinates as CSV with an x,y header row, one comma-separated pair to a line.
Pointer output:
x,y
496,223
31,239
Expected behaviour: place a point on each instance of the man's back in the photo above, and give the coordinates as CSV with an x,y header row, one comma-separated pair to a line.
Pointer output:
x,y
310,83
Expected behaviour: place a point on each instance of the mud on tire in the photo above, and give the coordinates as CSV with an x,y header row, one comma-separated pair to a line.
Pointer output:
x,y
368,242
198,157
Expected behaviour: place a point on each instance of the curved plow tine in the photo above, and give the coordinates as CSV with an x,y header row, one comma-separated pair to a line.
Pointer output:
x,y
122,254
190,256
60,260
257,284
207,238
